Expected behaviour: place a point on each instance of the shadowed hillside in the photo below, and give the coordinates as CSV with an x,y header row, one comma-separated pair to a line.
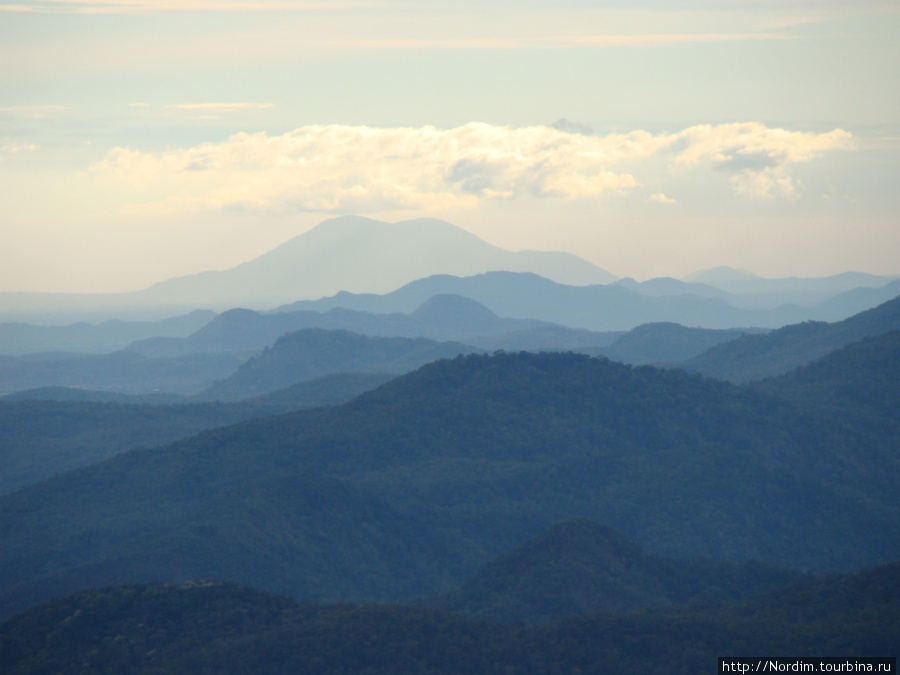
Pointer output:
x,y
754,357
579,567
488,451
210,627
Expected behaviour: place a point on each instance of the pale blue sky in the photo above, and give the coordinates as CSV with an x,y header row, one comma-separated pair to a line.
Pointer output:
x,y
143,139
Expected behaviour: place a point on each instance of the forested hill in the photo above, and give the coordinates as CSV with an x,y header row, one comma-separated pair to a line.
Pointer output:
x,y
204,627
61,430
579,566
480,452
861,379
313,352
754,357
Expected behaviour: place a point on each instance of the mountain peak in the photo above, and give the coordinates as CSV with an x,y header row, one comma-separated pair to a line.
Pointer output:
x,y
363,255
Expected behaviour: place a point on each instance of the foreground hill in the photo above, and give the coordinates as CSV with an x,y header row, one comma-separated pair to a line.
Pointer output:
x,y
754,357
482,453
204,627
858,380
579,567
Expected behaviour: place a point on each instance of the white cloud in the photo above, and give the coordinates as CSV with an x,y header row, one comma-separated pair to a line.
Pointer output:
x,y
660,198
361,169
756,158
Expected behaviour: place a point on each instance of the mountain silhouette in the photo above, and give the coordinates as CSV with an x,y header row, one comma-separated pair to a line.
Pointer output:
x,y
352,253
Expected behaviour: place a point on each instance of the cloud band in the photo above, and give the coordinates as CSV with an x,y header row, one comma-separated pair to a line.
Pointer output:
x,y
338,168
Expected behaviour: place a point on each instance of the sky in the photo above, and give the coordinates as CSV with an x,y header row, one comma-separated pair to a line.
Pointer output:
x,y
146,139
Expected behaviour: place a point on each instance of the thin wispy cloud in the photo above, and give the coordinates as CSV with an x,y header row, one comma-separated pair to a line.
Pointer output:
x,y
219,107
338,168
9,149
34,111
553,42
153,6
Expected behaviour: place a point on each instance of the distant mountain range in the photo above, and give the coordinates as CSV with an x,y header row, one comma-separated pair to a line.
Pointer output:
x,y
608,307
349,253
103,338
352,254
226,358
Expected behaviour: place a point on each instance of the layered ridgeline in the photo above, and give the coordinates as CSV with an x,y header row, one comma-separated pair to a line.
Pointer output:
x,y
352,255
407,489
441,317
190,365
349,253
610,307
756,356
40,440
50,431
214,627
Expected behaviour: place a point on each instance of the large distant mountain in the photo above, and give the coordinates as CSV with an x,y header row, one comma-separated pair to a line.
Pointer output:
x,y
349,253
352,253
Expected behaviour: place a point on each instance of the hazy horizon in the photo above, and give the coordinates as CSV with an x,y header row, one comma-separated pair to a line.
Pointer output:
x,y
142,140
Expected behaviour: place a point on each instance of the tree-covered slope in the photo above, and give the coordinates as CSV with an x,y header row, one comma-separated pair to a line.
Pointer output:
x,y
65,428
490,450
306,354
664,342
579,566
220,628
860,379
754,357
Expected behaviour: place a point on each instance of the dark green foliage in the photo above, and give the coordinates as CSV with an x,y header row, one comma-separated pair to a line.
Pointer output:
x,y
862,378
205,627
488,451
578,566
41,438
754,357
